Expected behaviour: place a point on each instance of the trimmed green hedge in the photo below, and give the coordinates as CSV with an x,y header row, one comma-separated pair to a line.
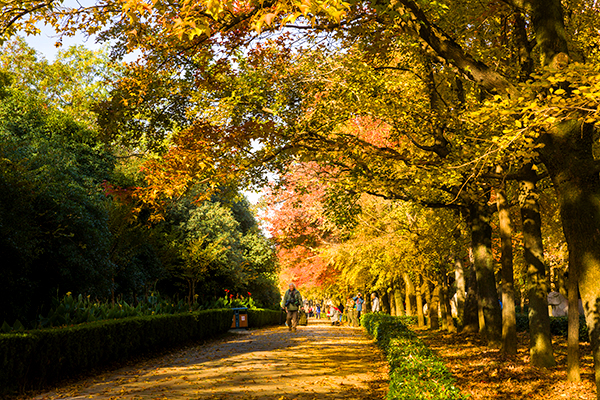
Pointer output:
x,y
558,326
258,318
37,358
415,372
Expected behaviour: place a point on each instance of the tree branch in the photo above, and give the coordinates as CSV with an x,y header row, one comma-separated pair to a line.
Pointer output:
x,y
448,49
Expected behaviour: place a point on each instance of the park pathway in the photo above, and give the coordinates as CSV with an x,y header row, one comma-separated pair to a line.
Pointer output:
x,y
319,362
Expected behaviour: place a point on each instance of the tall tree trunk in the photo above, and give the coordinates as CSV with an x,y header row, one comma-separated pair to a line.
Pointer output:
x,y
573,367
426,290
410,294
540,345
481,237
561,281
471,323
446,308
392,302
523,300
385,302
398,302
461,293
509,320
443,312
568,156
434,308
419,298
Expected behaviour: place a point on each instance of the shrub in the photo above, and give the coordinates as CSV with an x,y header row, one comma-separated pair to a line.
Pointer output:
x,y
415,372
40,357
261,317
558,326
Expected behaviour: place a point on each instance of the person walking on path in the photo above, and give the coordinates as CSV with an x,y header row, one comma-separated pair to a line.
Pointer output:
x,y
375,307
359,304
334,313
292,299
350,311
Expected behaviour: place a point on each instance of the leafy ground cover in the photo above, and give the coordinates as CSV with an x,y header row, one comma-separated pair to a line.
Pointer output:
x,y
486,374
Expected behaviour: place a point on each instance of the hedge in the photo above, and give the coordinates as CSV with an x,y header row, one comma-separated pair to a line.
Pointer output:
x,y
415,372
558,326
41,357
258,318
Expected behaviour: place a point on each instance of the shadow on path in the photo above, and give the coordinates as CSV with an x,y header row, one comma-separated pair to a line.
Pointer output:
x,y
318,361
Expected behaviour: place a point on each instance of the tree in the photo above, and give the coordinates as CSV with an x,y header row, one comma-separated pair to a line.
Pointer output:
x,y
54,224
76,81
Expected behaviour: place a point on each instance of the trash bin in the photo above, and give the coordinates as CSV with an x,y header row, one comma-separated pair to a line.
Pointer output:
x,y
240,317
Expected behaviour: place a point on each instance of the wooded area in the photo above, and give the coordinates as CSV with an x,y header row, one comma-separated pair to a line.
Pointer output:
x,y
415,148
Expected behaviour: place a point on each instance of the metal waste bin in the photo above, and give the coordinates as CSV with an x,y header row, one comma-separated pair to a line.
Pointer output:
x,y
240,317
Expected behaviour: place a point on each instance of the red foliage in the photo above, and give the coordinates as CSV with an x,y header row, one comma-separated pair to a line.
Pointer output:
x,y
121,194
295,219
371,130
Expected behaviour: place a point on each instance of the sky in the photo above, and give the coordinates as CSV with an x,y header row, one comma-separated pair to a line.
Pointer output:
x,y
45,42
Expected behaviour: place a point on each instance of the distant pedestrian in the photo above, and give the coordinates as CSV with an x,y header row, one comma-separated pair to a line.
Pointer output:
x,y
350,310
375,307
358,300
334,313
318,311
292,300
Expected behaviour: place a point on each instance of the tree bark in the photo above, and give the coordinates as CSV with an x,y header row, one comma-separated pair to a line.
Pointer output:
x,y
385,303
398,302
509,320
568,156
410,294
461,293
540,345
471,323
573,366
481,237
419,298
426,290
392,302
434,308
446,308
443,311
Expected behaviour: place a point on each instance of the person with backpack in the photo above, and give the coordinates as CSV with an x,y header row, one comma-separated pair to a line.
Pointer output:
x,y
292,300
359,305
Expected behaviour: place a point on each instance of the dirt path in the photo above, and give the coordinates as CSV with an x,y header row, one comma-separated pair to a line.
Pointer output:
x,y
318,361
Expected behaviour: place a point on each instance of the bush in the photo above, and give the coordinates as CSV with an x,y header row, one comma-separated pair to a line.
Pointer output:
x,y
558,326
258,318
33,359
415,372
